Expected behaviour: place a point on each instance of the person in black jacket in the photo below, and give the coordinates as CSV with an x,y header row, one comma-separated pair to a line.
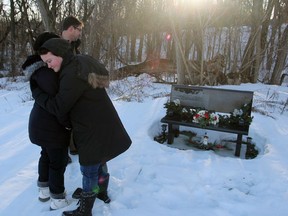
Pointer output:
x,y
46,131
71,32
97,129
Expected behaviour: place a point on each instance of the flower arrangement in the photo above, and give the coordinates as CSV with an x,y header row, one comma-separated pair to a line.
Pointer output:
x,y
173,108
238,118
203,117
197,115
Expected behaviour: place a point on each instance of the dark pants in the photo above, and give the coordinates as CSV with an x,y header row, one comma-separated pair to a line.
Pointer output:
x,y
51,168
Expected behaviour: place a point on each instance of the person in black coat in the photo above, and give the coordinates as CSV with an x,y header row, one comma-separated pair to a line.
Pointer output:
x,y
45,130
71,32
97,129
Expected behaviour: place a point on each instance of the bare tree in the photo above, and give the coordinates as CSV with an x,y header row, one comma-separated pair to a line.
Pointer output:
x,y
13,39
4,32
119,32
281,58
48,10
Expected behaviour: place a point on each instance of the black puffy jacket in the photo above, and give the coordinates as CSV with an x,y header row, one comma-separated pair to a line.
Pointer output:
x,y
44,128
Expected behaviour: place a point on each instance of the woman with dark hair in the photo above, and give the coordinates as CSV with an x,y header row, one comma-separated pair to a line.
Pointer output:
x,y
97,129
46,131
71,32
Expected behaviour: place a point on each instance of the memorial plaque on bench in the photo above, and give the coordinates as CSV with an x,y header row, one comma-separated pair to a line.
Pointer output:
x,y
220,100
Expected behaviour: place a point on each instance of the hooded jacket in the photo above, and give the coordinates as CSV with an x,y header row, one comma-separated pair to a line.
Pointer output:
x,y
43,128
97,129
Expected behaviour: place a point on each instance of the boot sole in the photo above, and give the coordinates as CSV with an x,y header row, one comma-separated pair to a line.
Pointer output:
x,y
43,199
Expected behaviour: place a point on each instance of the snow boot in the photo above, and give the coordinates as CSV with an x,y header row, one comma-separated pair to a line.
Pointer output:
x,y
103,186
58,201
102,195
87,200
44,194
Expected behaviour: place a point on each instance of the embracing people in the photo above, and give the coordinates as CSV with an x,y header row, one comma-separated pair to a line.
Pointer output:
x,y
97,129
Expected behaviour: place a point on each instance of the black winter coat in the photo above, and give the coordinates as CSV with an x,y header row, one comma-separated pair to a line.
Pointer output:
x,y
44,128
97,129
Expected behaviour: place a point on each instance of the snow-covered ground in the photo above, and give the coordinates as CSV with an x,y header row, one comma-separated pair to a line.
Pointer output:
x,y
151,178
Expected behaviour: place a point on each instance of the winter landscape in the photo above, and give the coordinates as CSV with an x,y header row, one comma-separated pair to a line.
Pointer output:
x,y
156,179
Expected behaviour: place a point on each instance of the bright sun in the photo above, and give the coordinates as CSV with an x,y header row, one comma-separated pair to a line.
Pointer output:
x,y
195,3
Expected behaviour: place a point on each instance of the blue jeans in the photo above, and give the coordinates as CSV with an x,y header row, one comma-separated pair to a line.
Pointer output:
x,y
90,177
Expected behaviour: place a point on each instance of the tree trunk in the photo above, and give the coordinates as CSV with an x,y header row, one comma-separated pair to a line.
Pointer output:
x,y
13,40
26,18
250,63
133,48
46,16
140,48
257,4
179,61
281,58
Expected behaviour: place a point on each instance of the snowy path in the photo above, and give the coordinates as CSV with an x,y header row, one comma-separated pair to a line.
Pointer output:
x,y
153,179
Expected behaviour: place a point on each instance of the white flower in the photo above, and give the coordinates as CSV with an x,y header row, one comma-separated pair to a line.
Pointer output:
x,y
177,102
214,118
202,112
192,110
198,116
184,110
237,112
208,118
195,119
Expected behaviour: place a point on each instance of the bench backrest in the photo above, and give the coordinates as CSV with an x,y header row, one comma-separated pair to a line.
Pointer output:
x,y
218,100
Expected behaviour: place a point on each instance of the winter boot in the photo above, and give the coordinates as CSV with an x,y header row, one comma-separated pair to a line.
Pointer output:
x,y
102,195
58,201
87,200
103,186
44,194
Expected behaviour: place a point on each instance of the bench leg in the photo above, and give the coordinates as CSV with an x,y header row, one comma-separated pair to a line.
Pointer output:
x,y
172,132
238,145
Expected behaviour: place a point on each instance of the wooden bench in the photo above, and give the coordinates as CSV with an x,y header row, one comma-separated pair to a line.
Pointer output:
x,y
223,101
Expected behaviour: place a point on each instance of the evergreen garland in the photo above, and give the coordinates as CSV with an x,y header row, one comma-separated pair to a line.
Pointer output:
x,y
237,119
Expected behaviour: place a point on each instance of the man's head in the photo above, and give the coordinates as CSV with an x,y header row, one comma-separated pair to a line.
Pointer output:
x,y
71,28
53,51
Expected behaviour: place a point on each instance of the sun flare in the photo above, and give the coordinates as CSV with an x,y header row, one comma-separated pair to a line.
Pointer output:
x,y
195,3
